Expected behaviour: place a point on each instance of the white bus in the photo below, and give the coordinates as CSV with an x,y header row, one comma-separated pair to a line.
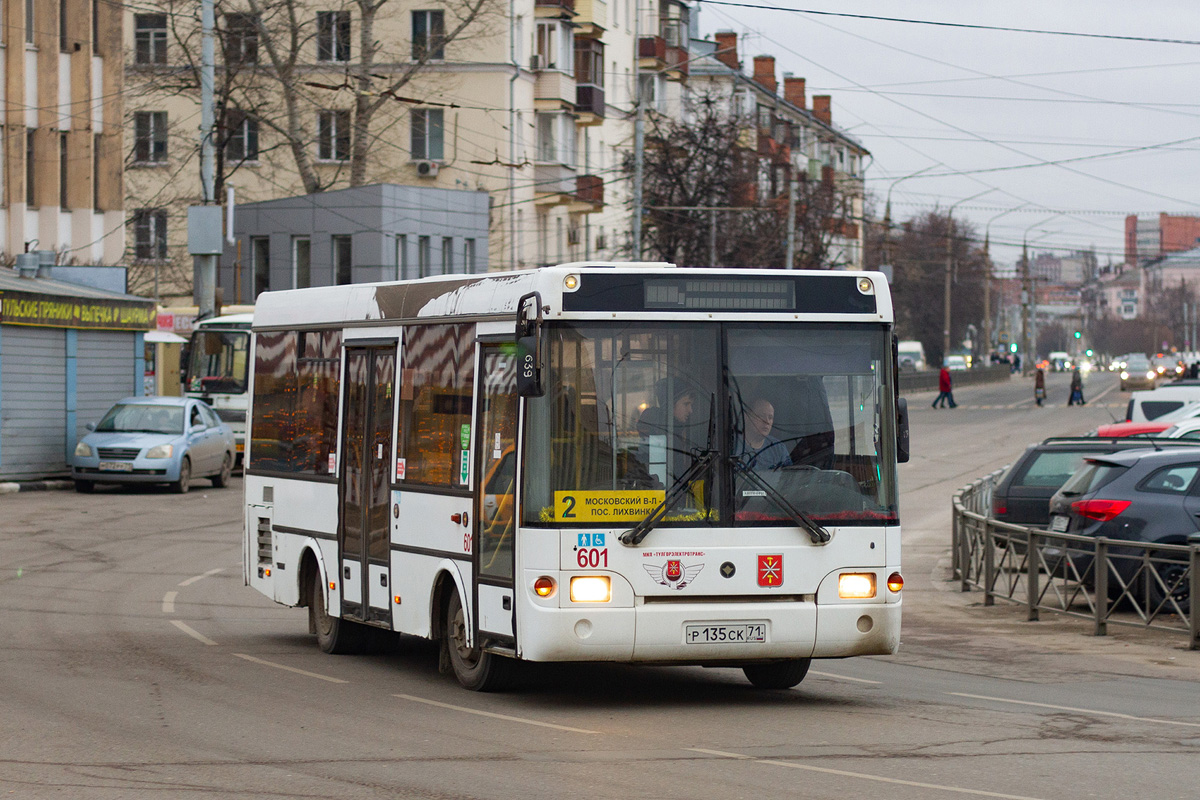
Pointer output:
x,y
586,462
218,369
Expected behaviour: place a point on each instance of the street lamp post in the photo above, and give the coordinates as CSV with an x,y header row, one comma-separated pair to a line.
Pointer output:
x,y
1029,295
949,270
987,279
887,211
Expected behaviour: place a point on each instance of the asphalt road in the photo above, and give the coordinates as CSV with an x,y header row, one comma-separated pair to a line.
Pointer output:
x,y
135,664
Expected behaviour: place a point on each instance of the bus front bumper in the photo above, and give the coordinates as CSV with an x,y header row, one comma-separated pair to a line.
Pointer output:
x,y
674,632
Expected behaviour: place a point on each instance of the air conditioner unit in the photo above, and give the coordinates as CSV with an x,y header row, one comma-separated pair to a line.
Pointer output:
x,y
428,169
537,61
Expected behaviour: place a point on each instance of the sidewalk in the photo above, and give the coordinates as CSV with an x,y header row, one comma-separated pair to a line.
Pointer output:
x,y
13,487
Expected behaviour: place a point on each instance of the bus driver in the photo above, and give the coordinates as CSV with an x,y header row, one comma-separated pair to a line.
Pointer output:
x,y
757,448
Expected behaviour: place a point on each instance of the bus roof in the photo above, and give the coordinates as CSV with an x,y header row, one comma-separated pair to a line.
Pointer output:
x,y
230,320
598,291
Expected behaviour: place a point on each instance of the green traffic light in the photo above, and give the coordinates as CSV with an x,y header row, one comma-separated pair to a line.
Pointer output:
x,y
1078,335
1089,352
1013,347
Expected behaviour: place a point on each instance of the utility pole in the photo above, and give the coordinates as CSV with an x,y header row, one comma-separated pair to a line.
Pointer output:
x,y
950,270
639,132
204,221
790,261
1025,294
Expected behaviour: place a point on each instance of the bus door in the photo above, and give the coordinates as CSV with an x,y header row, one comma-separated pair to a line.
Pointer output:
x,y
495,496
363,533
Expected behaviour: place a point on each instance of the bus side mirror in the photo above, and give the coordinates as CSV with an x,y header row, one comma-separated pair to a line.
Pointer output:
x,y
901,430
530,379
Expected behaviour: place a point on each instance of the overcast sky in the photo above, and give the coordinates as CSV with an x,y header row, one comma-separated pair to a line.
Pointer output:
x,y
954,101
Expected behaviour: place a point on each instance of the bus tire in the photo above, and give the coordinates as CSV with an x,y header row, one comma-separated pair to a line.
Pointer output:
x,y
475,669
85,487
777,675
334,635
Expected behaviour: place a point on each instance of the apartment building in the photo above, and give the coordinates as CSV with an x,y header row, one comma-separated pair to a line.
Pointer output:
x,y
529,102
61,160
1148,238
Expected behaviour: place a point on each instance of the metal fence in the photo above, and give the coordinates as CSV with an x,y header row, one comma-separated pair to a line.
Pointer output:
x,y
1109,581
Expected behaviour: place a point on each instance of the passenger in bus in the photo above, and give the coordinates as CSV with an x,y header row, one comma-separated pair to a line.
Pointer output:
x,y
672,426
756,448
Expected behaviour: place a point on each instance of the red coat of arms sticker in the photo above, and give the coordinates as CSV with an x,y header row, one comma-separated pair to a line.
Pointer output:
x,y
770,570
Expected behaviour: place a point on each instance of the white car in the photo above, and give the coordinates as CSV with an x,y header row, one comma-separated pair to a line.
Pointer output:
x,y
1184,429
956,363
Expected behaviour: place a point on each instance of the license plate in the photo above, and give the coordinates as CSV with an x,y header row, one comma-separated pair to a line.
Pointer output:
x,y
1058,523
116,466
725,633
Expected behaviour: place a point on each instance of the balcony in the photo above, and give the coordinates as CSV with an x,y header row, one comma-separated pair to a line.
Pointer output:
x,y
555,184
589,105
591,17
652,52
546,9
589,194
554,90
677,63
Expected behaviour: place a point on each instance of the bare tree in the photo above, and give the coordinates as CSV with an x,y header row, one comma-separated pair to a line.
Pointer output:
x,y
712,200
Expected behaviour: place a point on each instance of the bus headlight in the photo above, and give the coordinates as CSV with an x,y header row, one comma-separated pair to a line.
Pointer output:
x,y
83,450
856,585
160,451
591,589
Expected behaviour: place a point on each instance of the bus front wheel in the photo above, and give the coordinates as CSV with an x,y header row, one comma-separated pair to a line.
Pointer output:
x,y
334,635
474,668
778,675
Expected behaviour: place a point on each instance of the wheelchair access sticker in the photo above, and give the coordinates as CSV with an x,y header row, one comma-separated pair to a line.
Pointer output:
x,y
617,507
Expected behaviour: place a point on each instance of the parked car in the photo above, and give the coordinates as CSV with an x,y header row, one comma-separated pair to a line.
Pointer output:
x,y
911,355
1184,429
1137,373
1168,403
1022,495
1119,430
155,440
1140,495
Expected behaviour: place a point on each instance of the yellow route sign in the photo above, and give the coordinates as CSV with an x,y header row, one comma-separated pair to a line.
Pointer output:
x,y
605,506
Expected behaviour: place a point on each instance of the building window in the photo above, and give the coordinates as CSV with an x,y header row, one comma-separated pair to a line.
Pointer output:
x,y
423,253
556,138
30,166
428,35
342,264
242,142
589,62
427,134
260,255
555,46
333,36
651,87
301,262
402,258
447,255
63,198
150,137
241,39
150,234
469,256
333,136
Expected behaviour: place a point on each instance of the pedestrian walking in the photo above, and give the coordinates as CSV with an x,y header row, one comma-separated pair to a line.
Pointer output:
x,y
1039,386
945,390
1076,398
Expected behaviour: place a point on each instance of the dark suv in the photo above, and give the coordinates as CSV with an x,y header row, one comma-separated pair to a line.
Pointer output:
x,y
1022,495
1143,496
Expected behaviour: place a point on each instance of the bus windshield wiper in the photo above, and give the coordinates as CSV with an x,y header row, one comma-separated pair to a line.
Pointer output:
x,y
678,489
815,530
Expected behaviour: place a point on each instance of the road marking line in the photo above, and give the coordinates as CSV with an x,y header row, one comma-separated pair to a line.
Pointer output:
x,y
842,677
1077,710
208,574
286,668
864,776
493,716
168,604
199,637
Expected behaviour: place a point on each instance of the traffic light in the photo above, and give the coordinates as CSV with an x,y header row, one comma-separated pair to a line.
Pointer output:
x,y
1078,334
1089,352
1012,347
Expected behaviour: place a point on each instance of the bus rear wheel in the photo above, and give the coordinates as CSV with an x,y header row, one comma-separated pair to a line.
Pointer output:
x,y
334,635
778,675
474,668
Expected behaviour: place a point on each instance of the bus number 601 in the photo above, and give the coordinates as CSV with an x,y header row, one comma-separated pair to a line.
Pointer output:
x,y
592,557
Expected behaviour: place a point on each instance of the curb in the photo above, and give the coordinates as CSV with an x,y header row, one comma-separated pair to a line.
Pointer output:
x,y
35,486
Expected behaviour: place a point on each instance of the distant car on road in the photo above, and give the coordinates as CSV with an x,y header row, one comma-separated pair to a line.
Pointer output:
x,y
1138,373
155,440
1022,495
956,363
910,354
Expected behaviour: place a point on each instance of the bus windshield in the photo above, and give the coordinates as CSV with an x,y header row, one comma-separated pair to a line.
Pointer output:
x,y
218,361
774,415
